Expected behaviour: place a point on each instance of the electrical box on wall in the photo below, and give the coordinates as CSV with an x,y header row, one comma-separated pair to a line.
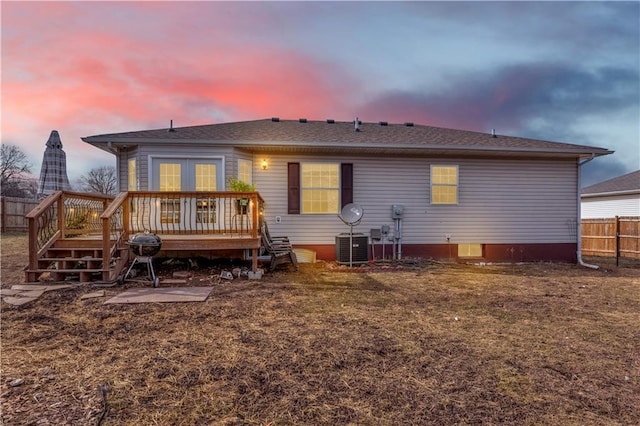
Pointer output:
x,y
397,210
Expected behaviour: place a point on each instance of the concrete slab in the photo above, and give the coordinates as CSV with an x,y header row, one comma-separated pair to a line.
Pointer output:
x,y
172,281
92,295
18,301
31,293
27,287
9,292
162,295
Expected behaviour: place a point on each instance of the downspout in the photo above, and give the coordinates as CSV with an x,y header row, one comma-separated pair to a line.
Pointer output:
x,y
579,219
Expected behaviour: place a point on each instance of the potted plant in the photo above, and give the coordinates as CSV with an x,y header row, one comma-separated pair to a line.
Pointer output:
x,y
237,185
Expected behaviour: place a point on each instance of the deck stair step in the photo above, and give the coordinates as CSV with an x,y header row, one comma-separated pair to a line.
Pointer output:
x,y
67,271
73,252
77,262
85,262
84,275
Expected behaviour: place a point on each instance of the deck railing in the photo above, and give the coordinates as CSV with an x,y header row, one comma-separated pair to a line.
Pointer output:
x,y
227,214
63,214
66,215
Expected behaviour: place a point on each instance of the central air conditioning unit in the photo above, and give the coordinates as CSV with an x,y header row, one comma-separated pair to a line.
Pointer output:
x,y
359,251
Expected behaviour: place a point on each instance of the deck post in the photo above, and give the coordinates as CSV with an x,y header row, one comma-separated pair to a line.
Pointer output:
x,y
106,248
33,247
254,260
62,220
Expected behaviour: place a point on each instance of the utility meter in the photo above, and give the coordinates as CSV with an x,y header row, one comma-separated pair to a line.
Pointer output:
x,y
396,211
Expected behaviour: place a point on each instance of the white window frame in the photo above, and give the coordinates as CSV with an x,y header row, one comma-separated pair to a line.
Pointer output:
x,y
132,175
456,185
245,175
338,188
470,250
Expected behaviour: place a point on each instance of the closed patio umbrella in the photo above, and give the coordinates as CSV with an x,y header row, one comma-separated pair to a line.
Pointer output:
x,y
53,173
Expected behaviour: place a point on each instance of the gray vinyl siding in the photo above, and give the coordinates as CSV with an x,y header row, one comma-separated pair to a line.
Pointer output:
x,y
122,169
500,201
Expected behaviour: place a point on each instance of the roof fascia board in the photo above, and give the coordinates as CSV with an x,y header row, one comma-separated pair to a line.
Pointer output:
x,y
578,151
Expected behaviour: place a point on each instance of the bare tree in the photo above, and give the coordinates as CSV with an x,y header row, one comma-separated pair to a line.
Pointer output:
x,y
101,180
13,166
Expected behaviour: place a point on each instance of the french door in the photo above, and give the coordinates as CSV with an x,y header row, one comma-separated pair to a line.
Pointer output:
x,y
187,174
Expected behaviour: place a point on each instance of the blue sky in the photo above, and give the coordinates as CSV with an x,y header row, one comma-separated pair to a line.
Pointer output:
x,y
561,71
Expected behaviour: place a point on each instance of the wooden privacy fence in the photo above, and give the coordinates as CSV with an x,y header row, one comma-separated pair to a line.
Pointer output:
x,y
611,237
13,211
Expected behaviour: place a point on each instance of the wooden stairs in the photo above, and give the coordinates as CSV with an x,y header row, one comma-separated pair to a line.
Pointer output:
x,y
77,260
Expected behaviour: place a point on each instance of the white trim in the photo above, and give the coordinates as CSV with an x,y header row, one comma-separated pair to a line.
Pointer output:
x,y
152,157
250,169
431,166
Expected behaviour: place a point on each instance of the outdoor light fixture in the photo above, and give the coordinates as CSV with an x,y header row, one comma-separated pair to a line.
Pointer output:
x,y
265,164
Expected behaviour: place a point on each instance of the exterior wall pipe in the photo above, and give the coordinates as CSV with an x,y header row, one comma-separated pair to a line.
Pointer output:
x,y
579,219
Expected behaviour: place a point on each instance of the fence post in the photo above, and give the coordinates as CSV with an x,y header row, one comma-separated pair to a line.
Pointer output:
x,y
617,230
4,214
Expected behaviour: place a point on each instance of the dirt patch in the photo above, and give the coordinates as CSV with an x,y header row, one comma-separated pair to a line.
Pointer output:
x,y
406,343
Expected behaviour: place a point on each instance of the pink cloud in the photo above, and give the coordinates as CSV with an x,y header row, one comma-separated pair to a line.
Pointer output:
x,y
65,68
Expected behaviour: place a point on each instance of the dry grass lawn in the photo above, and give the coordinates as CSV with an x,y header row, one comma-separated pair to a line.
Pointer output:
x,y
411,343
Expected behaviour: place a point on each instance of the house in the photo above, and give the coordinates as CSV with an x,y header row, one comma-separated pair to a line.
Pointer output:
x,y
619,196
460,194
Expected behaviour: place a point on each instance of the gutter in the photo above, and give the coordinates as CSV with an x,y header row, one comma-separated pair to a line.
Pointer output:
x,y
579,218
611,193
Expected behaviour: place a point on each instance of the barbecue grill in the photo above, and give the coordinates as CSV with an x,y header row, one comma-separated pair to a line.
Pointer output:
x,y
144,246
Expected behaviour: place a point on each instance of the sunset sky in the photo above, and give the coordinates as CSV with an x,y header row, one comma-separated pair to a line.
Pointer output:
x,y
567,72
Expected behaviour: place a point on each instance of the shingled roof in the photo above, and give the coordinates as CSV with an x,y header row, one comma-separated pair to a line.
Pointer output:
x,y
625,184
342,136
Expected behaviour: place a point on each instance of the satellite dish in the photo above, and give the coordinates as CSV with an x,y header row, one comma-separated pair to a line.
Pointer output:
x,y
351,214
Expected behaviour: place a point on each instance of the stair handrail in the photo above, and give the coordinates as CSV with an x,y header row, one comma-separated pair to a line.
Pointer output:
x,y
43,235
109,229
48,221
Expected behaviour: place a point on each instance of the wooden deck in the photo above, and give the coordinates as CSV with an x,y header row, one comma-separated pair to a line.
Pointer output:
x,y
71,231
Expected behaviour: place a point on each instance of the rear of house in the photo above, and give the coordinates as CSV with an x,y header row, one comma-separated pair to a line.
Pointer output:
x,y
462,195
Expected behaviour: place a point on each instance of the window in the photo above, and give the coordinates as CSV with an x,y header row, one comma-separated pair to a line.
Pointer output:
x,y
170,180
205,210
170,177
469,250
444,184
244,171
320,187
170,210
205,181
205,177
133,178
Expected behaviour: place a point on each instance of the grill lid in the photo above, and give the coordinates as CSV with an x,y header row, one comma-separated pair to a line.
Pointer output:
x,y
146,239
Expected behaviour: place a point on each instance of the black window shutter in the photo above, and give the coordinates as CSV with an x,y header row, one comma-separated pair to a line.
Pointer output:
x,y
346,178
293,188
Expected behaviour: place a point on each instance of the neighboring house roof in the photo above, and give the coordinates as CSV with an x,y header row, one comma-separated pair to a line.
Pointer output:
x,y
621,185
341,137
